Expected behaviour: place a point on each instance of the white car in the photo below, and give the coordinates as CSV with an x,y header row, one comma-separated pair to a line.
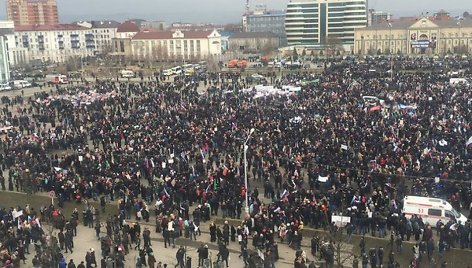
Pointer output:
x,y
5,87
167,72
257,76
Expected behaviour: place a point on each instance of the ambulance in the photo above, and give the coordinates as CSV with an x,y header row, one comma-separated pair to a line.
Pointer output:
x,y
431,210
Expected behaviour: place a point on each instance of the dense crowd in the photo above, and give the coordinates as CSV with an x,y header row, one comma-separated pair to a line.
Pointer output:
x,y
354,143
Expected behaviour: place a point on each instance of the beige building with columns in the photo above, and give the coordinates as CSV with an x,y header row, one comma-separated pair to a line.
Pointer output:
x,y
415,36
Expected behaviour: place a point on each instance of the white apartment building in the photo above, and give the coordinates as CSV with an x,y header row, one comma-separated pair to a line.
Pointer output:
x,y
104,32
6,33
310,22
54,43
176,45
4,62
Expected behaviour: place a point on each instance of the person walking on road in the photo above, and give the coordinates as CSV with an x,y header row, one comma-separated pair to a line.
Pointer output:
x,y
180,257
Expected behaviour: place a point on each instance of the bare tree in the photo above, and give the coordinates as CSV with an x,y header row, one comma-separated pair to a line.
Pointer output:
x,y
333,44
342,250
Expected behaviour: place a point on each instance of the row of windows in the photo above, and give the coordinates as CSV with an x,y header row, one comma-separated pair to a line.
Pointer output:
x,y
300,5
304,15
314,10
301,24
301,31
340,30
354,13
340,9
403,36
45,47
347,3
58,33
258,19
102,31
171,42
301,36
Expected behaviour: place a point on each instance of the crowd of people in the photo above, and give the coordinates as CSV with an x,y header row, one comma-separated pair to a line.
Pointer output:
x,y
354,143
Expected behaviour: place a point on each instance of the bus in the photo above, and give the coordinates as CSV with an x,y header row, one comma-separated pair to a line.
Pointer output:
x,y
186,67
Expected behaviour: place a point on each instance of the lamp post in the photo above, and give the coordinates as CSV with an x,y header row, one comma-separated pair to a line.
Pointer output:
x,y
245,170
390,50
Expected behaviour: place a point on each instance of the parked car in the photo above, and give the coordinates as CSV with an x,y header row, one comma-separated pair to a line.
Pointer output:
x,y
5,87
19,84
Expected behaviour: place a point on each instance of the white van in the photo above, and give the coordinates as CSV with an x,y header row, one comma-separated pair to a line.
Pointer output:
x,y
176,70
18,84
431,210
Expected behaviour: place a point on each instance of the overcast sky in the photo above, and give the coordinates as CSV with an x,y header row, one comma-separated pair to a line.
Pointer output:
x,y
219,11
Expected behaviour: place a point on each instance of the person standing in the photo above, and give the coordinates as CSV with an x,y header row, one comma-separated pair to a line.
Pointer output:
x,y
223,254
180,257
202,254
151,260
68,241
71,264
61,238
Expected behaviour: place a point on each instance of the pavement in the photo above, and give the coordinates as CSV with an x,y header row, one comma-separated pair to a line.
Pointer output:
x,y
86,239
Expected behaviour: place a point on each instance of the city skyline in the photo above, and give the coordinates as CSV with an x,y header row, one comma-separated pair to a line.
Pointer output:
x,y
229,11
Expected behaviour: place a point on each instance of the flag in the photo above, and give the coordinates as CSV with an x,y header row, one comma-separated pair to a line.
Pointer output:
x,y
375,108
208,188
203,155
284,195
165,191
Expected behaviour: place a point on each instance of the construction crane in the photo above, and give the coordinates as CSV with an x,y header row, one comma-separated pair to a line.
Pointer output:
x,y
247,7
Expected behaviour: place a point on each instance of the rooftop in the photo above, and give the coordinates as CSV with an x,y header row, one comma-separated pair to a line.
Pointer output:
x,y
404,23
150,35
127,27
104,24
51,27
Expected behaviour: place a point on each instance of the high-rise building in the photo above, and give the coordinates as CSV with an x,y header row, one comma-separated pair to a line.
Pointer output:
x,y
377,17
6,32
32,12
311,22
267,21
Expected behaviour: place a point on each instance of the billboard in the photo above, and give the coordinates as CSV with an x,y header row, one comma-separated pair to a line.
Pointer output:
x,y
420,43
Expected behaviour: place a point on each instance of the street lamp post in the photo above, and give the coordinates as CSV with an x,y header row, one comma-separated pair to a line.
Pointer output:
x,y
390,48
245,170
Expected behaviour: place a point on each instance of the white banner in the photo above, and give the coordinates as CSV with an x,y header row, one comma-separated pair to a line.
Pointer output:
x,y
322,179
340,221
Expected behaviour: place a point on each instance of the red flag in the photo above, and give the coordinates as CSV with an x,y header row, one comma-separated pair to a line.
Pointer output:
x,y
375,108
